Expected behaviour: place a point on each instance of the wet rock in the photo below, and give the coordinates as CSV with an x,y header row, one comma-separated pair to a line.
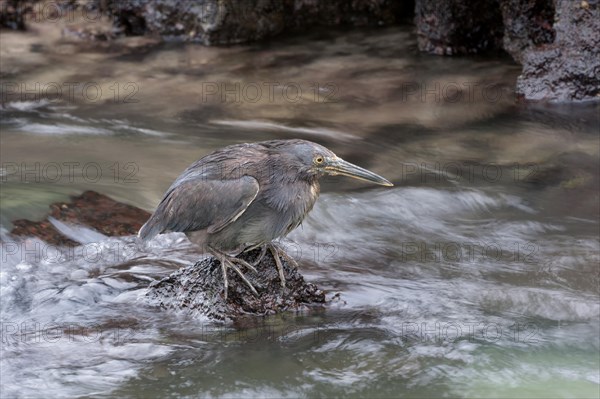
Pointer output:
x,y
557,42
449,27
198,290
304,13
569,68
90,209
527,24
13,13
91,32
219,22
43,230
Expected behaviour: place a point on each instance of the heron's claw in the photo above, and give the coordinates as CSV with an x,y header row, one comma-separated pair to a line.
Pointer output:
x,y
228,261
277,252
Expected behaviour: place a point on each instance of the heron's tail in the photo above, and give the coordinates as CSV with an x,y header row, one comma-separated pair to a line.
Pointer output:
x,y
150,229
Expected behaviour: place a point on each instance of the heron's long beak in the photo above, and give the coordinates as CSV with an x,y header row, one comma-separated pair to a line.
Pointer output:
x,y
338,166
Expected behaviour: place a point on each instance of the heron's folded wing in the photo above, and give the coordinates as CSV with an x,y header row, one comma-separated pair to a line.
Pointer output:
x,y
198,204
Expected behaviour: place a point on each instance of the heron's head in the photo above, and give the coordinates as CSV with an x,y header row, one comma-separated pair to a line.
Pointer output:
x,y
318,161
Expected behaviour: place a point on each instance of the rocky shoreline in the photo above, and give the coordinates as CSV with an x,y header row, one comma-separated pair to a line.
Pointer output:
x,y
555,41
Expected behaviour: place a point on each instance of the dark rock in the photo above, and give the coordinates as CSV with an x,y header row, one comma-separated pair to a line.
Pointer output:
x,y
91,209
301,14
219,22
198,290
569,68
13,13
43,230
557,42
448,27
527,24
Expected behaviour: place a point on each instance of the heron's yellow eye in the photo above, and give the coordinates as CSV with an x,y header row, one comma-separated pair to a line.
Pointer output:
x,y
319,160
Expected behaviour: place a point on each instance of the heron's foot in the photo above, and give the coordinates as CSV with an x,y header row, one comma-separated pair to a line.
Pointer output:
x,y
263,252
278,252
228,261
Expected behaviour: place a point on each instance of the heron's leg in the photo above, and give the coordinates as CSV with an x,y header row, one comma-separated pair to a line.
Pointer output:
x,y
277,251
225,280
230,261
284,254
263,252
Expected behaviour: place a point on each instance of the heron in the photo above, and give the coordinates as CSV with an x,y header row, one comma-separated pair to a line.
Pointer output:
x,y
245,196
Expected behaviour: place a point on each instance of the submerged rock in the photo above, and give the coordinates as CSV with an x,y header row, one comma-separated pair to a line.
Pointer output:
x,y
198,289
90,209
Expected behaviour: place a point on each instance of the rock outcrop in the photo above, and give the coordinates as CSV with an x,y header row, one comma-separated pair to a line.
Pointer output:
x,y
198,290
567,69
450,27
556,41
222,22
14,12
527,24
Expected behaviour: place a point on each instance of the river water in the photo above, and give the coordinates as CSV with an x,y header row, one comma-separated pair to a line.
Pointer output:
x,y
476,275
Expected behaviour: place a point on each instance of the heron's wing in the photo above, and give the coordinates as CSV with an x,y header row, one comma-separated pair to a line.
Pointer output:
x,y
198,204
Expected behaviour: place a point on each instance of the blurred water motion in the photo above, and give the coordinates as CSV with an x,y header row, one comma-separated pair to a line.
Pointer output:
x,y
477,275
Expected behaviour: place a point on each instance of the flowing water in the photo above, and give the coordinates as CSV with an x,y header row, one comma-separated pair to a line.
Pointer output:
x,y
475,275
